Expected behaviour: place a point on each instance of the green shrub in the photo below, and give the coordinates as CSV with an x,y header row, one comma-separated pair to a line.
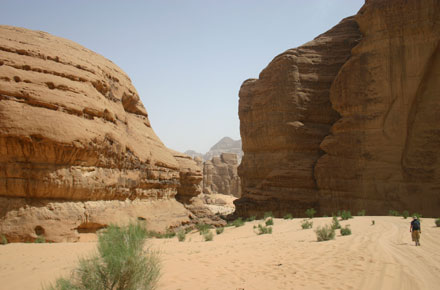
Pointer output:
x,y
269,222
209,236
325,233
392,212
267,215
121,263
405,214
346,231
262,230
203,228
437,222
335,223
238,222
345,215
361,212
310,212
219,230
306,224
251,218
181,235
373,222
288,216
3,240
40,240
338,213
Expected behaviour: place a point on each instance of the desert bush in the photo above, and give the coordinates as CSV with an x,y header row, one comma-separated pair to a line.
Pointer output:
x,y
209,236
306,224
269,222
181,235
361,212
121,263
219,230
203,228
346,214
251,218
40,240
346,231
310,213
262,230
3,240
267,214
288,216
437,222
393,212
373,222
325,233
335,223
405,214
238,223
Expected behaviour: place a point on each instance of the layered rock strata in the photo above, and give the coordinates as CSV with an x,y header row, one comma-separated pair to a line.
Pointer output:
x,y
73,131
220,175
329,129
284,116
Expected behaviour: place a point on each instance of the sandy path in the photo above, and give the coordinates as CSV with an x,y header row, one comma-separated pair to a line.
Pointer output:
x,y
373,257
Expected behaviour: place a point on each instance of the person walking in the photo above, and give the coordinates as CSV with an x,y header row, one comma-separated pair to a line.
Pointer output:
x,y
415,230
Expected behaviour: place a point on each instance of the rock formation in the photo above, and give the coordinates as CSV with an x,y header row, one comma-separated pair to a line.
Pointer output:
x,y
331,127
77,150
384,151
220,175
225,145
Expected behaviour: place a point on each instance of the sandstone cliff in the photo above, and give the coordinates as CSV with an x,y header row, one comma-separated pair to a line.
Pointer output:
x,y
77,149
284,115
220,175
384,151
364,136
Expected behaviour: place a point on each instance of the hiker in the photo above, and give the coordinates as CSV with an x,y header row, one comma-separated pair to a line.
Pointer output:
x,y
416,230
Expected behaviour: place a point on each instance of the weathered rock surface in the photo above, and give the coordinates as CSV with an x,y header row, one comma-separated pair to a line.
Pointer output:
x,y
367,139
384,151
191,177
73,130
220,175
284,116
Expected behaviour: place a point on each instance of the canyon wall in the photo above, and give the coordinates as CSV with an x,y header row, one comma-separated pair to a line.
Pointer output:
x,y
284,115
77,150
334,124
220,175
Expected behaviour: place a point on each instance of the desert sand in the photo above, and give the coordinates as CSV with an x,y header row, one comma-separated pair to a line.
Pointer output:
x,y
380,256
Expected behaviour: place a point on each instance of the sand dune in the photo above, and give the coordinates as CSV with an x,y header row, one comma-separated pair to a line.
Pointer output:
x,y
373,257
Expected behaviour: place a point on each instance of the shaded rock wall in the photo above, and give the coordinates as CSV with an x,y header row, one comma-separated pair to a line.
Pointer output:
x,y
384,151
77,150
367,139
284,116
220,175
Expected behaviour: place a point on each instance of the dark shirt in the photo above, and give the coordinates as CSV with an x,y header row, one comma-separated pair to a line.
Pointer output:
x,y
415,224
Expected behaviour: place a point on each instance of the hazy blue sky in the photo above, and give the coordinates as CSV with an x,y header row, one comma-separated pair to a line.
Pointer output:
x,y
187,59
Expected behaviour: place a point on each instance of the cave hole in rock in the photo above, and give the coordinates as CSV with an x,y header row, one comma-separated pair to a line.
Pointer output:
x,y
39,230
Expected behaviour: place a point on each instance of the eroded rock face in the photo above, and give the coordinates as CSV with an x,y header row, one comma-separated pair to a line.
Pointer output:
x,y
384,151
191,177
367,139
284,116
220,175
73,130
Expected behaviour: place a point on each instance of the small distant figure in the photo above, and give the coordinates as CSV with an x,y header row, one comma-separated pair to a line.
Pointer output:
x,y
415,230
